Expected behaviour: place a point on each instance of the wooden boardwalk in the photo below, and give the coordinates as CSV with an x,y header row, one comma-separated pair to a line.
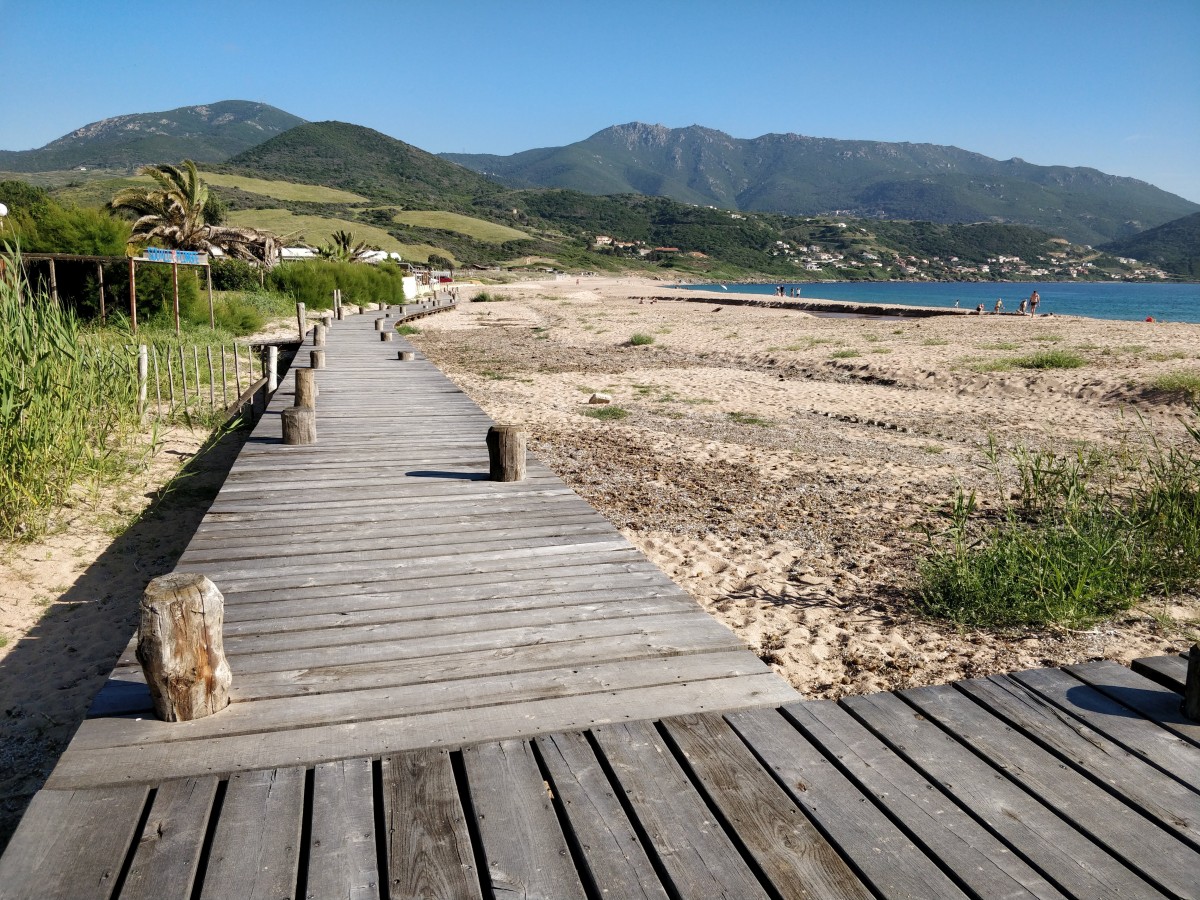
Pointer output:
x,y
448,687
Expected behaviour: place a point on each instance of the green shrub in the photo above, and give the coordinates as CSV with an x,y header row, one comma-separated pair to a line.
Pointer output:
x,y
312,282
236,275
485,297
1186,384
408,329
844,354
641,340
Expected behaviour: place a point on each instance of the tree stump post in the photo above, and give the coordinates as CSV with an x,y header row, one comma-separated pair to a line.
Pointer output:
x,y
386,335
181,649
306,388
405,355
380,324
506,452
316,359
301,320
1191,687
299,425
319,335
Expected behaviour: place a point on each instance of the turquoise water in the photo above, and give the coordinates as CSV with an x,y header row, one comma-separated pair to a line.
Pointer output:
x,y
1100,300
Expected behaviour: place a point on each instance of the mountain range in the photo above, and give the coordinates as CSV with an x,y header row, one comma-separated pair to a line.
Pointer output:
x,y
209,133
798,175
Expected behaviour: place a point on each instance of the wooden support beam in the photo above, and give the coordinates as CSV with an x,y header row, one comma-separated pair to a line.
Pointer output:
x,y
506,452
306,388
316,359
299,425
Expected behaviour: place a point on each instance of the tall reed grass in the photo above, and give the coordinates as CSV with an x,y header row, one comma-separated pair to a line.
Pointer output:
x,y
1089,535
67,406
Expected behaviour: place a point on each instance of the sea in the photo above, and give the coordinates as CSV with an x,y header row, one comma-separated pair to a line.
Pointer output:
x,y
1097,300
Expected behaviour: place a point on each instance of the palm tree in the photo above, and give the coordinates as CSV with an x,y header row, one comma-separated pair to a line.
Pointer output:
x,y
343,248
177,212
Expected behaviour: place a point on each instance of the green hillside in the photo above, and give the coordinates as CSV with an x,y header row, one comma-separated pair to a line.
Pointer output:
x,y
798,175
209,133
1174,247
363,161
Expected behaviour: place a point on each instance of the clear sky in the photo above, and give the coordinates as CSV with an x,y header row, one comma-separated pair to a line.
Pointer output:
x,y
1111,85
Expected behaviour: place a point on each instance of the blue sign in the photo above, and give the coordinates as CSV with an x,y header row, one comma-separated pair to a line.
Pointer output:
x,y
183,257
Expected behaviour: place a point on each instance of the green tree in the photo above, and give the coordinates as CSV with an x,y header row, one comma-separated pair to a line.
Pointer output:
x,y
343,248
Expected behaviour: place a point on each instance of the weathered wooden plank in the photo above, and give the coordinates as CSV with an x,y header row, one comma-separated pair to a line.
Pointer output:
x,y
526,851
1169,671
688,843
789,851
429,845
321,634
1155,702
406,700
1155,853
612,853
1171,753
256,845
334,678
168,851
1049,841
448,728
982,863
341,851
882,854
1158,797
71,844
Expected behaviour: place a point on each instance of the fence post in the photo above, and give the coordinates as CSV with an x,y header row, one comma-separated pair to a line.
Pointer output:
x,y
306,388
506,452
143,369
272,368
301,320
316,359
299,425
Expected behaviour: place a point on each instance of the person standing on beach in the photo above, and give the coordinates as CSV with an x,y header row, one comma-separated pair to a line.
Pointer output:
x,y
1034,300
999,307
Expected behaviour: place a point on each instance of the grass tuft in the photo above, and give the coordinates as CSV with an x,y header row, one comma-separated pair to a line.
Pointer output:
x,y
639,339
606,413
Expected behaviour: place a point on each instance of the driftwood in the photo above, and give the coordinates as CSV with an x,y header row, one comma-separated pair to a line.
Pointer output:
x,y
180,647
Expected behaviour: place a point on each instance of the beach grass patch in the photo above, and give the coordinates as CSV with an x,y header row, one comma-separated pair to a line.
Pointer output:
x,y
1089,534
407,329
1186,384
934,342
1049,359
872,338
1051,338
640,339
606,413
984,366
844,354
999,345
487,297
881,349
741,418
1166,356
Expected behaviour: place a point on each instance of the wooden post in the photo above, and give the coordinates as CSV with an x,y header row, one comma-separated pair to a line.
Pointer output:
x,y
157,385
301,320
272,367
143,370
299,425
380,324
506,452
212,381
100,278
180,647
405,355
175,281
53,283
237,369
212,315
386,335
316,359
306,388
133,294
319,335
1191,687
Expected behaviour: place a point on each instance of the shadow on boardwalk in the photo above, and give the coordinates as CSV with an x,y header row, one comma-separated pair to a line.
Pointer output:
x,y
81,636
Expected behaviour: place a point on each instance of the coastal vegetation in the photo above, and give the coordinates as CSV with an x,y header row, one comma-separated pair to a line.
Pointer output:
x,y
1089,534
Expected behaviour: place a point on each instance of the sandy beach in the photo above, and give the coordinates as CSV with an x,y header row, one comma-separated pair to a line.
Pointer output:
x,y
780,466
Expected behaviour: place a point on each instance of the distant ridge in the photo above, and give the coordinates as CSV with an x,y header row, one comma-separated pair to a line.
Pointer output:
x,y
1174,246
207,133
799,175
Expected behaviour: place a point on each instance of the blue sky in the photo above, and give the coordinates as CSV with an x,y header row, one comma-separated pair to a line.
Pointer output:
x,y
1111,85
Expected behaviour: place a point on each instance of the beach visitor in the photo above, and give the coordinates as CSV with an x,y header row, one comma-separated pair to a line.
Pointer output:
x,y
979,308
1021,306
956,304
1034,300
999,307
